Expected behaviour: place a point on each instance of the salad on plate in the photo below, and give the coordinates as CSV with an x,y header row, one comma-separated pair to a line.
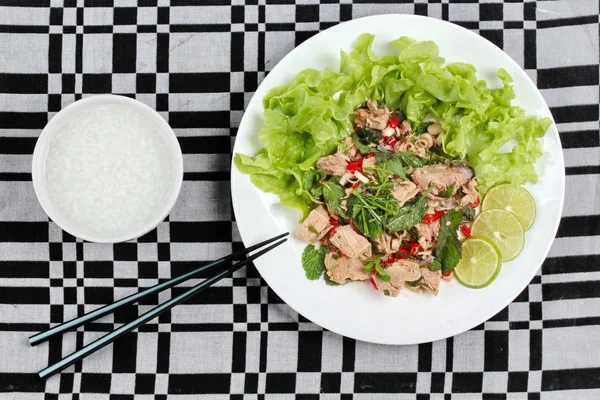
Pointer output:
x,y
388,160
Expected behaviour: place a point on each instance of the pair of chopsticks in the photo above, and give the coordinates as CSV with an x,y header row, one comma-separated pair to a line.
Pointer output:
x,y
155,312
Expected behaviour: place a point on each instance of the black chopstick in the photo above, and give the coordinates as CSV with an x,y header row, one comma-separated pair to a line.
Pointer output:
x,y
112,336
110,308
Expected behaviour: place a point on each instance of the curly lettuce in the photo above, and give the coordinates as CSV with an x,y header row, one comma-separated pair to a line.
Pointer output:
x,y
308,117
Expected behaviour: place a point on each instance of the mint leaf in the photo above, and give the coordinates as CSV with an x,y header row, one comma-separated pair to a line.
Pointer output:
x,y
435,265
414,283
368,135
448,248
448,192
363,148
468,214
392,164
409,215
333,194
313,261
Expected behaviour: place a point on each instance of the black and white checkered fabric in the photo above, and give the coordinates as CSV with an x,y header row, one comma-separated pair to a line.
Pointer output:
x,y
198,63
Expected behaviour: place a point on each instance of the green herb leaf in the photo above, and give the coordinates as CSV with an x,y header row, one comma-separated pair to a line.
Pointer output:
x,y
333,194
435,265
313,261
317,191
448,192
468,214
409,215
386,292
368,135
366,218
313,229
449,248
392,164
363,148
383,275
412,161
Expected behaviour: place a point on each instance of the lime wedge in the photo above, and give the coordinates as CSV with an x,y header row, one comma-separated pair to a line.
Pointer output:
x,y
480,263
513,198
503,229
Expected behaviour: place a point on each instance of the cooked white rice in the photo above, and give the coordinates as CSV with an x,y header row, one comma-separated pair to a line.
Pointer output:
x,y
109,171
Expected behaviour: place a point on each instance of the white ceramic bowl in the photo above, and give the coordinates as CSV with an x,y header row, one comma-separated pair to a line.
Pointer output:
x,y
52,129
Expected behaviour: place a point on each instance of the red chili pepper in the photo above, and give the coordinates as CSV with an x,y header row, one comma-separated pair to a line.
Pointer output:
x,y
332,230
370,155
334,222
415,248
355,185
355,166
333,249
354,126
391,141
393,122
391,258
431,218
404,250
400,257
476,203
447,274
465,230
374,284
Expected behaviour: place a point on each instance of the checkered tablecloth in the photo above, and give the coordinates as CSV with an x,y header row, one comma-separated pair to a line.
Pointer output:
x,y
198,63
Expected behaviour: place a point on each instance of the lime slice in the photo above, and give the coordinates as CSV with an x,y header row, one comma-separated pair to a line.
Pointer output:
x,y
513,198
503,229
480,263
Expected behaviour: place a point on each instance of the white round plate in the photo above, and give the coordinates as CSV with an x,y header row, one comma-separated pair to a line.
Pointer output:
x,y
356,310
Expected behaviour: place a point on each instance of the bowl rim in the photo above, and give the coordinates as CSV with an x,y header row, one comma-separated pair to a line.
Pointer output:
x,y
50,130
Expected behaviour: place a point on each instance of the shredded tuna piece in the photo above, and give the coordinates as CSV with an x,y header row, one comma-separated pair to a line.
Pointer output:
x,y
431,280
470,192
404,191
372,117
351,243
334,164
315,226
348,147
403,271
404,127
383,243
386,287
441,176
369,162
341,269
427,234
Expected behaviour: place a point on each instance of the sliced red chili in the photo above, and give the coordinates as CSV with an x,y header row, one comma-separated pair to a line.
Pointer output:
x,y
447,274
465,230
431,218
391,258
392,141
476,203
415,248
355,166
374,284
355,185
334,222
370,155
332,230
393,122
354,126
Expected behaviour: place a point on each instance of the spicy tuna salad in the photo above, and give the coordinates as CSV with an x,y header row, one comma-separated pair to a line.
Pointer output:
x,y
387,160
387,193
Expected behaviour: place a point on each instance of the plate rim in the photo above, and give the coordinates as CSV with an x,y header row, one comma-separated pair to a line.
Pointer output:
x,y
561,179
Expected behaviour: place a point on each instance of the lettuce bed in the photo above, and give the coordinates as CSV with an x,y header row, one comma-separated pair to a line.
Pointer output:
x,y
308,117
